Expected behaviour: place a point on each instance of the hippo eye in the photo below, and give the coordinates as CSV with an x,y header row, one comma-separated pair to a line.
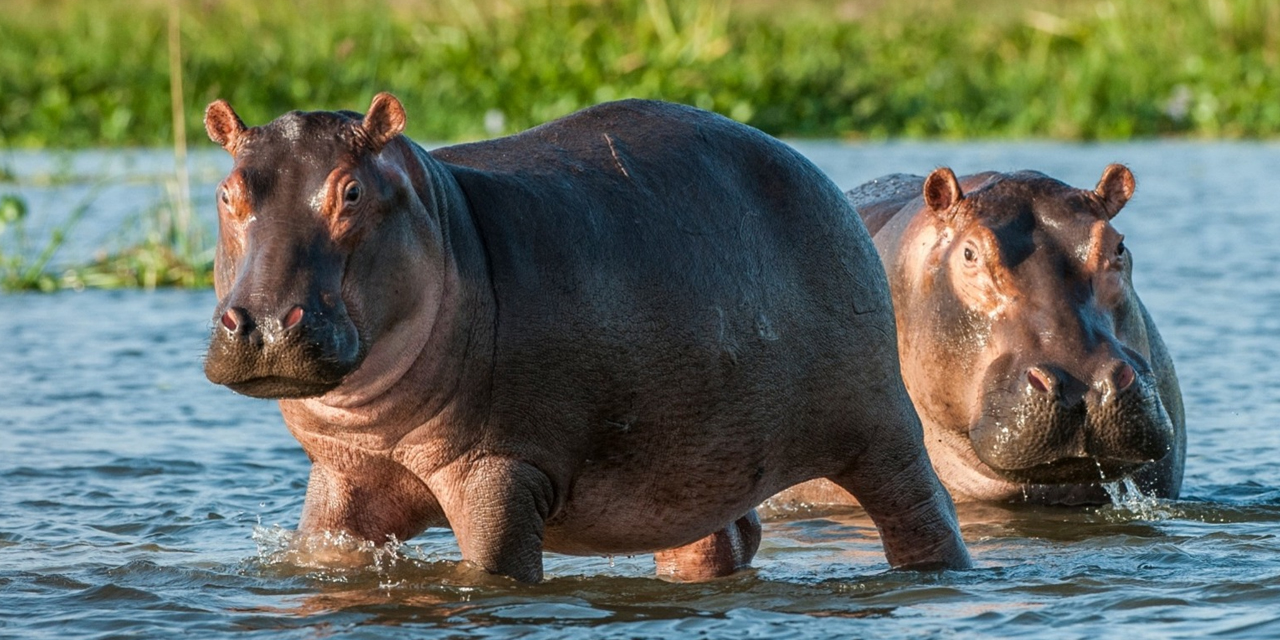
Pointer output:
x,y
352,194
1120,248
224,197
969,255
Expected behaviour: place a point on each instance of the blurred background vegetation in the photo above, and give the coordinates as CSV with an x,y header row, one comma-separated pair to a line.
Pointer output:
x,y
77,74
96,72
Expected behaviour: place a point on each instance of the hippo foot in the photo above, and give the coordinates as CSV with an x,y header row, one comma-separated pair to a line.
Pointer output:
x,y
715,556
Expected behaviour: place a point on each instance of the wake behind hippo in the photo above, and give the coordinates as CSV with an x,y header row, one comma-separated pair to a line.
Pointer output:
x,y
1034,366
615,333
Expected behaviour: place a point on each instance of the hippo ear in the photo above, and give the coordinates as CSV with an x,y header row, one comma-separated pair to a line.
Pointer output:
x,y
1115,188
384,121
223,125
942,191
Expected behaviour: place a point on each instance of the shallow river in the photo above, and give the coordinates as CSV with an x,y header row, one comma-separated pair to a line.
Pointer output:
x,y
138,500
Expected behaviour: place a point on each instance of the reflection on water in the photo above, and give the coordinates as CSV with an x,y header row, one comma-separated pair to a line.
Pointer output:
x,y
138,499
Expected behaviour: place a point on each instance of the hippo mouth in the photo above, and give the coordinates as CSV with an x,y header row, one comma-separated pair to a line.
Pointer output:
x,y
277,373
277,387
1083,470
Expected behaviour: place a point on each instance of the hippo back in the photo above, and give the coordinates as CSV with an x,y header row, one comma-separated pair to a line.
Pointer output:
x,y
624,235
878,200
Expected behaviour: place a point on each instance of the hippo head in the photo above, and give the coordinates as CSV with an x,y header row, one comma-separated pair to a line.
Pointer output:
x,y
317,247
1027,337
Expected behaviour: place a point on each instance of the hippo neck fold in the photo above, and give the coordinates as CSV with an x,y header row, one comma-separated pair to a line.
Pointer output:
x,y
437,348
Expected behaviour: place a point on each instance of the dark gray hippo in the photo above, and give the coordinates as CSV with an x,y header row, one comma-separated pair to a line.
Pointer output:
x,y
612,334
1035,368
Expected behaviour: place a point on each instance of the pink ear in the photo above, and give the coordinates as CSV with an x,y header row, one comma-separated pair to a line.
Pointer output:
x,y
384,121
1115,188
223,125
942,191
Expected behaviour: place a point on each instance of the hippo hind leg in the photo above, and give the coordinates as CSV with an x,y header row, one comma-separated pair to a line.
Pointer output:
x,y
714,556
913,512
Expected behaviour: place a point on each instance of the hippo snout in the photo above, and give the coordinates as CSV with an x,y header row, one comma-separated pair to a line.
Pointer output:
x,y
301,351
1043,425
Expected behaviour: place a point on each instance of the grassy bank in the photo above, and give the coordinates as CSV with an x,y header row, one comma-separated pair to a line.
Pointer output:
x,y
87,73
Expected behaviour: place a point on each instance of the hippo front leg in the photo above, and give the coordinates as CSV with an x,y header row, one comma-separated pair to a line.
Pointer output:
x,y
916,518
714,556
373,501
500,519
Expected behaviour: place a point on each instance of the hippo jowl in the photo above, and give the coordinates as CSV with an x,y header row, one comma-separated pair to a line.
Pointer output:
x,y
614,333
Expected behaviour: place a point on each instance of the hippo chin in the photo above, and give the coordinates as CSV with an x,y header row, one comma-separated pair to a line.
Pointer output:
x,y
614,333
1036,370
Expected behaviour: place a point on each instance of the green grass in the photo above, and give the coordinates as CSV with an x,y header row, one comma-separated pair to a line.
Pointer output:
x,y
94,73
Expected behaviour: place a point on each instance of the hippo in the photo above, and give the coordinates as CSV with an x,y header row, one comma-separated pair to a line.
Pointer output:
x,y
615,333
1037,372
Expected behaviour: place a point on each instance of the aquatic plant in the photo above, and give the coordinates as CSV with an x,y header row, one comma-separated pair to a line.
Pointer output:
x,y
156,250
22,267
153,252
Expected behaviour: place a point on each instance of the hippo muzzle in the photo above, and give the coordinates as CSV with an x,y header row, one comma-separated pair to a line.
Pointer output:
x,y
1041,425
283,331
295,354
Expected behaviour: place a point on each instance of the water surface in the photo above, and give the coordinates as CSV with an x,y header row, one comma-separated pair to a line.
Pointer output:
x,y
138,500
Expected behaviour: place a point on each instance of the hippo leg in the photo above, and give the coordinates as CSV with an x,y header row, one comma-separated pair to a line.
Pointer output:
x,y
373,502
897,486
714,556
500,521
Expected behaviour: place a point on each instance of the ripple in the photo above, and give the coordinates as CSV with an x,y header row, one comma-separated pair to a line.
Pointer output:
x,y
113,593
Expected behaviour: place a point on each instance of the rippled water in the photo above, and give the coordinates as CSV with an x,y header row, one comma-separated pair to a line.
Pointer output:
x,y
137,499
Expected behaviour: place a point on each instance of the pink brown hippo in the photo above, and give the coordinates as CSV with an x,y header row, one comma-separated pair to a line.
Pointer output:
x,y
1035,368
612,334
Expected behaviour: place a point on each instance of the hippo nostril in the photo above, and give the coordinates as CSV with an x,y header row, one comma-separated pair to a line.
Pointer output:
x,y
1124,376
233,319
294,316
1040,380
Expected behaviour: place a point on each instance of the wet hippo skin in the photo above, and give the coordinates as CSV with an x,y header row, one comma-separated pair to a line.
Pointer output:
x,y
1036,370
615,333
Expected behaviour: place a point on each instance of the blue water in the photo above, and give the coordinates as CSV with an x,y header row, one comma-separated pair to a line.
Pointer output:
x,y
138,500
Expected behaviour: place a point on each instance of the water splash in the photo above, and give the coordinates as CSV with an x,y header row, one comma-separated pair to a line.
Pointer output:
x,y
326,550
1129,502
